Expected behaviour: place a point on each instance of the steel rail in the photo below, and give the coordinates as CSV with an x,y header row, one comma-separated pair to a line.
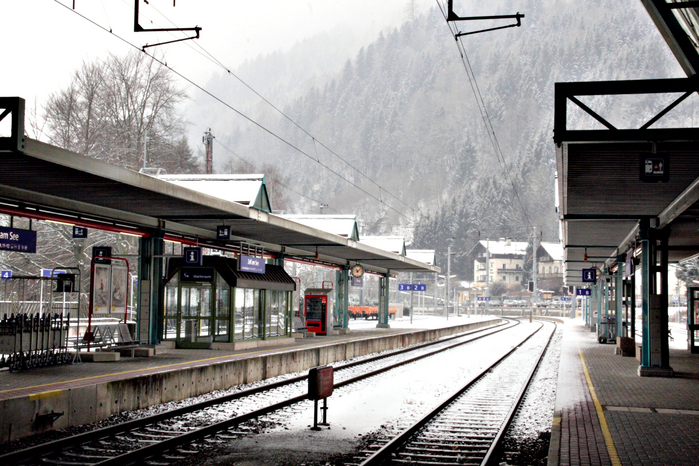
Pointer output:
x,y
520,397
172,443
57,446
385,453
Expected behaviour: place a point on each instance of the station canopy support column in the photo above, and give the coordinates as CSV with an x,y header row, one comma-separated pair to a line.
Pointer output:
x,y
655,353
150,288
342,301
619,297
383,302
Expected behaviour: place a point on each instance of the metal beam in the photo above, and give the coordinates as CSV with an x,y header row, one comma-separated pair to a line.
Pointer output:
x,y
673,33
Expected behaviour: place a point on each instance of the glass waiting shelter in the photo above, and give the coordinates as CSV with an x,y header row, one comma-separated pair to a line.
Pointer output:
x,y
216,306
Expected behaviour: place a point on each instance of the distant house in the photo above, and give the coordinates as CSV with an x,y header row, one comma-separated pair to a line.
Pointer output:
x,y
505,264
549,260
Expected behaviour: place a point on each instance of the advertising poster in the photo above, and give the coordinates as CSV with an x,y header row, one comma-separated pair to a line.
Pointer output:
x,y
102,289
119,276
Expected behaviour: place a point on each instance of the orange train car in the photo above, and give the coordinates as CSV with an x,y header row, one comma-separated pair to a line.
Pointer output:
x,y
370,312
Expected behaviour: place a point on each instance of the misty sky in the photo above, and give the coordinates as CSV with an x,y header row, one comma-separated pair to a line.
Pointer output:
x,y
45,42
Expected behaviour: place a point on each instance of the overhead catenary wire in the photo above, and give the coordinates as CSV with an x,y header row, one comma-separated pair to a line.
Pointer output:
x,y
315,140
490,130
243,115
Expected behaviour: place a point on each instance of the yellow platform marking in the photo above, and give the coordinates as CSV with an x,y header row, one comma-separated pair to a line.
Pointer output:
x,y
611,449
42,395
175,365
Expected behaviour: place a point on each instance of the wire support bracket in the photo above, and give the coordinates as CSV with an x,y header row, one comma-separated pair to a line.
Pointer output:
x,y
138,28
451,16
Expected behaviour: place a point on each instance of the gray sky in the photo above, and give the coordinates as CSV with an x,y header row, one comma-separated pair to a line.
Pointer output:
x,y
45,42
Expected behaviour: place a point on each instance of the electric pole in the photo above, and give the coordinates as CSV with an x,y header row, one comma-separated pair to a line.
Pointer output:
x,y
208,141
534,268
446,294
487,275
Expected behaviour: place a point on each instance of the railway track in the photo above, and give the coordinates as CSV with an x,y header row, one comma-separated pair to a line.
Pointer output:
x,y
467,427
173,435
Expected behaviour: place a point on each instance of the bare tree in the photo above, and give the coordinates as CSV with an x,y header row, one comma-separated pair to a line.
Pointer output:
x,y
113,105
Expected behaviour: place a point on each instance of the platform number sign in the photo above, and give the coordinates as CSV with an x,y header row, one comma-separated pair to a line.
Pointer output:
x,y
583,292
589,275
223,232
192,256
79,232
5,274
654,168
102,251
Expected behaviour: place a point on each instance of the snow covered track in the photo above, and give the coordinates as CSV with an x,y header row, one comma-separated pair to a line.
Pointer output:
x,y
181,432
467,427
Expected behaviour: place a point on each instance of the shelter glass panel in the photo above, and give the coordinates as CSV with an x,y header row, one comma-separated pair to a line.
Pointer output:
x,y
239,313
223,311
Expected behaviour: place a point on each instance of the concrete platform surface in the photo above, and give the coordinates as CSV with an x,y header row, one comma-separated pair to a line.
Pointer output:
x,y
607,415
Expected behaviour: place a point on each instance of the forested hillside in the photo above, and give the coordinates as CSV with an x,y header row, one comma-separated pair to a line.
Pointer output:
x,y
403,113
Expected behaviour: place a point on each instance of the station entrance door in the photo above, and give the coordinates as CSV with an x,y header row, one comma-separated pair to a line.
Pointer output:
x,y
693,320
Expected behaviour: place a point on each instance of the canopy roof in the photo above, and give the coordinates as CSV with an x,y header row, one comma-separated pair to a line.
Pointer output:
x,y
341,225
394,244
249,190
42,181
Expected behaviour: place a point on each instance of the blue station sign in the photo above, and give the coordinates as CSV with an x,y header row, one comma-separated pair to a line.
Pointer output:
x,y
192,255
483,298
13,239
50,273
589,275
251,264
5,274
409,287
583,292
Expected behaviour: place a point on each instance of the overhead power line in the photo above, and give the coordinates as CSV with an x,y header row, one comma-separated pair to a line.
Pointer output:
x,y
294,147
490,130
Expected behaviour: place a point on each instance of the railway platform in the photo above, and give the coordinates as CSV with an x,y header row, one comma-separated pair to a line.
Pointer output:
x,y
31,400
607,415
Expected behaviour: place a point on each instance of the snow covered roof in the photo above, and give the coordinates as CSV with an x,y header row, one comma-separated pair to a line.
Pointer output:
x,y
506,247
395,244
341,225
555,250
427,256
249,190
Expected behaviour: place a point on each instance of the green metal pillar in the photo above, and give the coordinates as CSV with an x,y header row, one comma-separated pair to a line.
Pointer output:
x,y
619,296
383,302
151,291
654,350
342,298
